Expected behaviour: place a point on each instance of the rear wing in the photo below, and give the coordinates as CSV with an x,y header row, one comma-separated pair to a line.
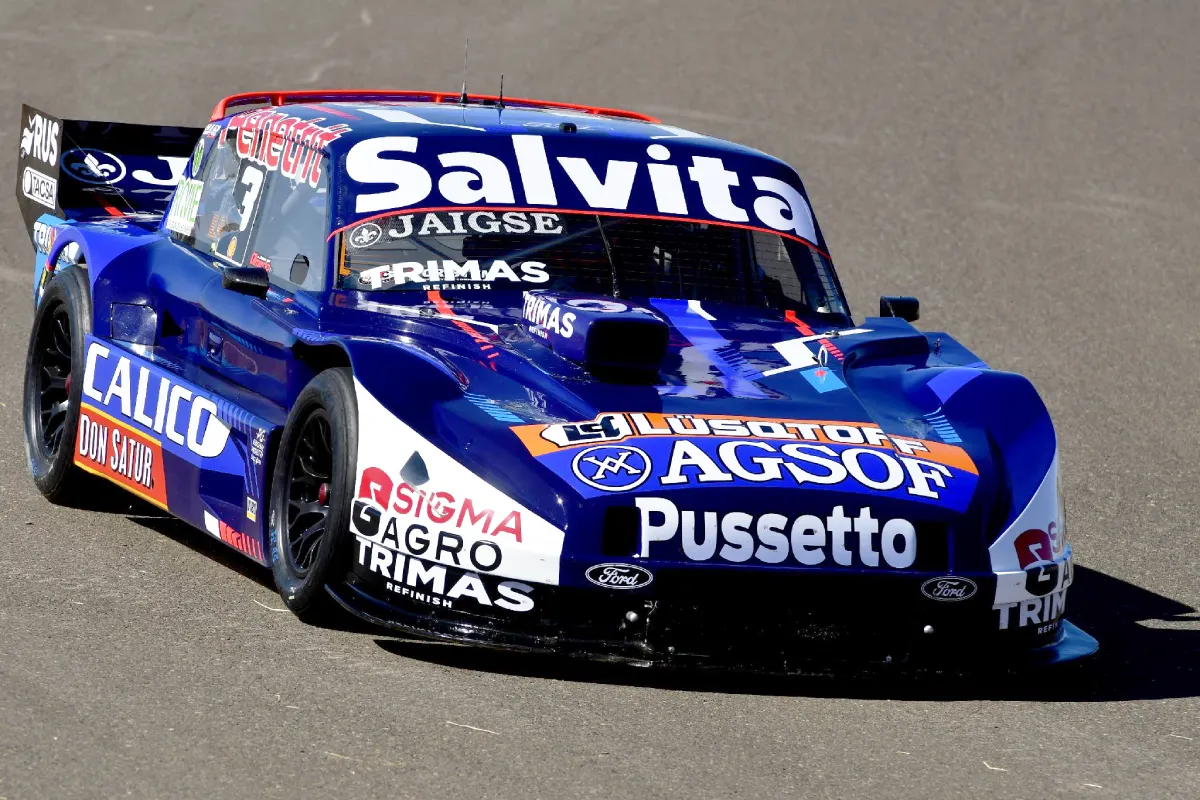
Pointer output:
x,y
86,170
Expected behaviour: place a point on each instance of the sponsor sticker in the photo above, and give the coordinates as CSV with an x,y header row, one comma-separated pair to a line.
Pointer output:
x,y
412,494
94,166
619,576
365,235
39,138
257,260
258,446
1032,562
138,422
1045,600
197,156
139,394
449,275
600,306
41,189
111,449
185,207
243,543
402,226
949,589
435,584
403,172
546,316
278,141
620,452
855,539
44,236
612,468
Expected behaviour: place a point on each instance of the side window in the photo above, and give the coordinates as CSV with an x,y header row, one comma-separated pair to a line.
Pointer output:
x,y
215,211
292,228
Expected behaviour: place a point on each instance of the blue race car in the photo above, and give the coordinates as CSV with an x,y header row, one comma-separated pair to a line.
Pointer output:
x,y
530,375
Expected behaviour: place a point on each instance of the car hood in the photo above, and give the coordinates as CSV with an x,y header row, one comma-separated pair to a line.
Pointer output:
x,y
761,436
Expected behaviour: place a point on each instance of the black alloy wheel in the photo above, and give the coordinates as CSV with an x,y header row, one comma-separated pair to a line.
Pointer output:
x,y
311,492
53,383
52,375
309,472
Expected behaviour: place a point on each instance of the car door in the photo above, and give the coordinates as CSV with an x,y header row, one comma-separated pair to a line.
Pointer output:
x,y
245,215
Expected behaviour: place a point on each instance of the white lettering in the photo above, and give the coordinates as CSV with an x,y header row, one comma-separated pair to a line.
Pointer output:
x,y
714,182
433,224
492,226
96,351
178,393
668,188
686,453
839,525
738,536
663,531
893,530
364,165
773,542
210,442
808,540
699,550
895,475
921,473
867,526
613,192
535,170
787,212
139,408
739,544
514,596
487,183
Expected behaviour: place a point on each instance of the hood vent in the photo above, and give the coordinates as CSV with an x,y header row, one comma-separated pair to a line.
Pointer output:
x,y
614,340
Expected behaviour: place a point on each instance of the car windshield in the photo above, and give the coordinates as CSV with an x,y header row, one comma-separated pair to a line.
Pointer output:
x,y
605,254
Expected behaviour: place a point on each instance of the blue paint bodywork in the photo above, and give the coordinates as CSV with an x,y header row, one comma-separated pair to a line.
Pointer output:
x,y
426,361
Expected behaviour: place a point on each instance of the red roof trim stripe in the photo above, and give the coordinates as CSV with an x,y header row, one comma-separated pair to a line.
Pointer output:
x,y
280,98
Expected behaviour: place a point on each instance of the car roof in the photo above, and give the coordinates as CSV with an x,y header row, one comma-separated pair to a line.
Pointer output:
x,y
600,152
369,118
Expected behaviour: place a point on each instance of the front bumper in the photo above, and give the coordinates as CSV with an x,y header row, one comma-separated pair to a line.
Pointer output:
x,y
755,622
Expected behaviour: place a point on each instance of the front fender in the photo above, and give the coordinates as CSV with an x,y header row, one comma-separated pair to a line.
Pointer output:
x,y
402,373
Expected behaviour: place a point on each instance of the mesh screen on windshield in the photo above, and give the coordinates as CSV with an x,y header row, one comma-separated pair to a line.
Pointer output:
x,y
604,254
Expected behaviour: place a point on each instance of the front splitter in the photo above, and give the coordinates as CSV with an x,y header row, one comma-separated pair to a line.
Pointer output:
x,y
1071,645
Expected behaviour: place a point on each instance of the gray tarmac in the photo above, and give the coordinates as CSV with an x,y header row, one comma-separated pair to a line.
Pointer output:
x,y
1028,169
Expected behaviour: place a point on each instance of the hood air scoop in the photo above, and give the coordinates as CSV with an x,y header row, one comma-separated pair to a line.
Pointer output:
x,y
613,339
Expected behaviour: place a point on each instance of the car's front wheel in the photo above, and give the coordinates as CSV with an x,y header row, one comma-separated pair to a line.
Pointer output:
x,y
311,493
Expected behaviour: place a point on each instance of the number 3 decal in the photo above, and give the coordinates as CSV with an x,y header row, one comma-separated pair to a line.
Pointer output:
x,y
252,177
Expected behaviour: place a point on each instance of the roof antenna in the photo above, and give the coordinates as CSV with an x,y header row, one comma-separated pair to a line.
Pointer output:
x,y
500,99
462,98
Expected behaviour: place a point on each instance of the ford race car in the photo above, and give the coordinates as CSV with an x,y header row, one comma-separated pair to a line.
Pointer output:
x,y
530,375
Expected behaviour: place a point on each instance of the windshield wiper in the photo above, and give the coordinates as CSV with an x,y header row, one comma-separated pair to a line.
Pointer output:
x,y
616,286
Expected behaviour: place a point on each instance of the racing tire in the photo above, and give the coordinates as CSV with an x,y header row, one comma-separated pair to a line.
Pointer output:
x,y
311,492
54,367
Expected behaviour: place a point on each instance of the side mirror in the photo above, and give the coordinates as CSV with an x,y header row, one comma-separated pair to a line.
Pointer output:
x,y
299,271
906,308
246,280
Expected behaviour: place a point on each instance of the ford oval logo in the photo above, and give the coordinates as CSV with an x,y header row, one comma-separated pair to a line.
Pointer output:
x,y
619,576
949,589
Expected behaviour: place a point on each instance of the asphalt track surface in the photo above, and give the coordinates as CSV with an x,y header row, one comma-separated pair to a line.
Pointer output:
x,y
1030,170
